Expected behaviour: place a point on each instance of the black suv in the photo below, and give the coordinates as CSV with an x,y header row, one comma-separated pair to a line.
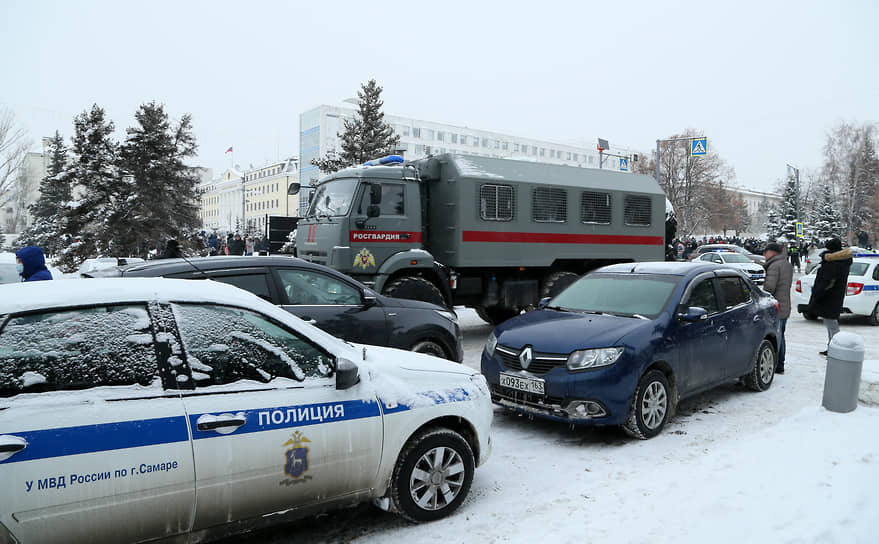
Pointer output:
x,y
323,297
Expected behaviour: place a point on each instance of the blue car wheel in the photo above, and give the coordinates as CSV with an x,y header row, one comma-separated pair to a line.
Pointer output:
x,y
650,406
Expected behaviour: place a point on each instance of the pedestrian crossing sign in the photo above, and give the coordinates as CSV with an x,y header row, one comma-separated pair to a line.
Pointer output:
x,y
698,147
624,165
799,230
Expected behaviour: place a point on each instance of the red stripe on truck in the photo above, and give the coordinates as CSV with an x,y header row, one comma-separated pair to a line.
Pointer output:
x,y
551,238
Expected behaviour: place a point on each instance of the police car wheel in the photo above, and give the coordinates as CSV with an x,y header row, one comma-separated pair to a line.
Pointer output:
x,y
650,407
429,347
414,288
763,371
433,475
873,318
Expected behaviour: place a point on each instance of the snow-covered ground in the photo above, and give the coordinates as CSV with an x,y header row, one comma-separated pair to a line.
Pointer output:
x,y
732,466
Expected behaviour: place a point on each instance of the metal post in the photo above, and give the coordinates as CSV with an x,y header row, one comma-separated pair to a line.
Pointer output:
x,y
657,161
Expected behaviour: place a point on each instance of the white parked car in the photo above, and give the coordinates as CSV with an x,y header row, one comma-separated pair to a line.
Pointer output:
x,y
137,409
735,260
92,266
861,292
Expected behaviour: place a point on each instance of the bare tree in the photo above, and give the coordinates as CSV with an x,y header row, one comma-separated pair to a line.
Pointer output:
x,y
13,150
693,184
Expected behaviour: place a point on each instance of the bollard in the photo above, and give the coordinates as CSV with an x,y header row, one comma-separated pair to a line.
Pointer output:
x,y
845,360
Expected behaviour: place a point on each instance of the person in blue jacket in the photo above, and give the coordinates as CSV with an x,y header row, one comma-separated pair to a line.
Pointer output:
x,y
32,264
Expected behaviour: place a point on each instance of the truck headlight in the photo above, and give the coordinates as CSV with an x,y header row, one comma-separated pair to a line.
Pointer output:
x,y
593,358
490,344
448,315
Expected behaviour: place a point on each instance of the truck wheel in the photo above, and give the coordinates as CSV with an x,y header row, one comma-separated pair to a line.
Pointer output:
x,y
433,475
557,282
414,288
495,315
809,316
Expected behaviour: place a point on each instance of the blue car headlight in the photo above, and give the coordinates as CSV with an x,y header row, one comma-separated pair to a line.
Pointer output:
x,y
593,358
490,344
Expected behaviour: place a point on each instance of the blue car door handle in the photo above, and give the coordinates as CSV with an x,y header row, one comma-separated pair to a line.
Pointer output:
x,y
721,330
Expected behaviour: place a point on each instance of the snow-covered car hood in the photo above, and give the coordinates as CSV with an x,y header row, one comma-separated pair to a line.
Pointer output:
x,y
396,361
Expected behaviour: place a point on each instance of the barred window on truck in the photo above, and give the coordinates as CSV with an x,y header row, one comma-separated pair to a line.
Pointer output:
x,y
595,208
549,205
637,210
496,202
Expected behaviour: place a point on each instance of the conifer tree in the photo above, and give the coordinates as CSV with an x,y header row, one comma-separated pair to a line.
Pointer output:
x,y
86,229
827,220
774,228
161,198
788,217
364,137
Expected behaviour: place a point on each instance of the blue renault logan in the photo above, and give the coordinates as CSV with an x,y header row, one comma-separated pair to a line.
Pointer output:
x,y
623,344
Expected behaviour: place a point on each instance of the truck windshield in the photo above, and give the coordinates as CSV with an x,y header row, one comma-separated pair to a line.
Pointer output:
x,y
628,295
332,198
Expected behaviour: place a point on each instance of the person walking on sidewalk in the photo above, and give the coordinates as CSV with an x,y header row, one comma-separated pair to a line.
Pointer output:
x,y
779,277
828,292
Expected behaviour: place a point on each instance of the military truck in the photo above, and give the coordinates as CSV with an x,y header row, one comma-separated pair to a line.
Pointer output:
x,y
493,234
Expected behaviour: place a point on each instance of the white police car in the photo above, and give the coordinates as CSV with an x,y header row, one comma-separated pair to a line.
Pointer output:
x,y
861,292
735,260
134,409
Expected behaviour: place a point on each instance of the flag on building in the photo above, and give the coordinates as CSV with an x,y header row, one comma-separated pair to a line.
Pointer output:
x,y
229,150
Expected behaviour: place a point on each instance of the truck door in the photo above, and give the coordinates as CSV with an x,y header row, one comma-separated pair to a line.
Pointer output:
x,y
396,228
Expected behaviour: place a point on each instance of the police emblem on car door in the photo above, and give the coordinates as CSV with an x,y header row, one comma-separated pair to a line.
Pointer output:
x,y
297,459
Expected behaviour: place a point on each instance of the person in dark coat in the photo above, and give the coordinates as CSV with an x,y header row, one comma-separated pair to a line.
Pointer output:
x,y
172,250
31,264
237,246
779,276
828,293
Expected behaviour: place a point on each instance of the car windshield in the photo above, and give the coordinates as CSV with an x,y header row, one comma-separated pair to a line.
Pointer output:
x,y
618,294
735,258
333,198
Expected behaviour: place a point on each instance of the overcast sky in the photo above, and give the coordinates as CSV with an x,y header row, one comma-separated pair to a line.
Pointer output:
x,y
764,81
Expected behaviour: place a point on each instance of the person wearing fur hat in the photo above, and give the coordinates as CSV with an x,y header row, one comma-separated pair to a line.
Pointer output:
x,y
828,292
779,277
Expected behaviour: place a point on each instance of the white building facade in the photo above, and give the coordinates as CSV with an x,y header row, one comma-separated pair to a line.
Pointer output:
x,y
242,200
319,129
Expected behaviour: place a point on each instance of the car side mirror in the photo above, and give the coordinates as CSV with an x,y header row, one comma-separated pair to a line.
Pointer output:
x,y
373,210
347,374
369,300
293,189
544,302
694,313
375,194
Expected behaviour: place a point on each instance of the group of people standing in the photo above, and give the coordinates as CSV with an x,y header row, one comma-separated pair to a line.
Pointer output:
x,y
828,292
233,244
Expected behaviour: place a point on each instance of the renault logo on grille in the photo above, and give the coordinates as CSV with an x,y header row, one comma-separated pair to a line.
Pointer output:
x,y
526,357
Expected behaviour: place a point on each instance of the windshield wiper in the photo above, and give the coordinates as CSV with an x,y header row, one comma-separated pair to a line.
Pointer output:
x,y
556,308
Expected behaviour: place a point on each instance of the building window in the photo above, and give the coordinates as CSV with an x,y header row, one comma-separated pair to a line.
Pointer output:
x,y
595,208
575,157
516,147
430,135
497,144
463,139
505,145
637,210
552,153
549,205
405,130
569,156
485,142
496,202
441,136
534,150
454,137
419,149
542,151
416,132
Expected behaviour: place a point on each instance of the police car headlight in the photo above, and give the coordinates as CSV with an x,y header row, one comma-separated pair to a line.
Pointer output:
x,y
490,344
593,358
448,315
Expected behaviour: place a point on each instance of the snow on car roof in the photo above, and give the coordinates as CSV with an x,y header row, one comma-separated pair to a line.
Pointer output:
x,y
22,297
38,295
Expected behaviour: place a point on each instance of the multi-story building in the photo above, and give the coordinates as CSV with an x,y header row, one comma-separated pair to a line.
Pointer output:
x,y
25,190
319,129
242,201
758,205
